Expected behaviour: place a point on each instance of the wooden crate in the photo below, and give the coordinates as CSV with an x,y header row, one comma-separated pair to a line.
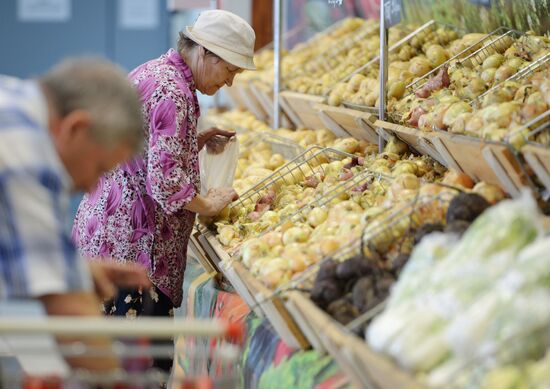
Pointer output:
x,y
345,122
423,142
365,368
300,108
265,303
538,158
492,162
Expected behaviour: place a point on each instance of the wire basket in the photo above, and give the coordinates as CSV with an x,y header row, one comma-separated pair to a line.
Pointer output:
x,y
471,51
533,67
323,60
495,42
292,172
375,62
278,144
381,250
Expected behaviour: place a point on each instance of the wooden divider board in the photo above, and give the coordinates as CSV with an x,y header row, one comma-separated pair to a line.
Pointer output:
x,y
423,142
304,322
538,158
350,122
491,162
272,307
300,107
365,367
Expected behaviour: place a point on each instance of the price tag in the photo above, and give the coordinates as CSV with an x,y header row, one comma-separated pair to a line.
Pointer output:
x,y
484,3
392,12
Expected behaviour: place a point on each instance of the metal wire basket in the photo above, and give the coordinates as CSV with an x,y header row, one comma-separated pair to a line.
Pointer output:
x,y
539,64
291,173
322,61
382,241
278,144
479,46
374,61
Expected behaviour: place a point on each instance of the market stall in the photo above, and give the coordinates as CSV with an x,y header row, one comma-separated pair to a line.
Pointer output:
x,y
418,264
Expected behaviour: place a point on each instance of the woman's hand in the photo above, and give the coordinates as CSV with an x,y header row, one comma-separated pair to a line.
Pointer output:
x,y
220,198
215,139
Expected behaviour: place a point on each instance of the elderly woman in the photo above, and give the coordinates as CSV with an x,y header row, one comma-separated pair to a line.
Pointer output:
x,y
144,210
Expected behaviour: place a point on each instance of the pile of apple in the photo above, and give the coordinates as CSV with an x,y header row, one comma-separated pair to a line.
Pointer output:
x,y
295,60
450,100
338,61
362,195
425,51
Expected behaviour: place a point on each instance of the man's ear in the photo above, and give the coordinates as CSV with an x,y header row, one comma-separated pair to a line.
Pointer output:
x,y
74,125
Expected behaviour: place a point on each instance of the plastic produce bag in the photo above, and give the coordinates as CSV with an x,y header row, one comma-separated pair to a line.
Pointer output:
x,y
218,170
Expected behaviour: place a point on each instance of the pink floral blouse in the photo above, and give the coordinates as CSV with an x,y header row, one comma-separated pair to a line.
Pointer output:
x,y
136,213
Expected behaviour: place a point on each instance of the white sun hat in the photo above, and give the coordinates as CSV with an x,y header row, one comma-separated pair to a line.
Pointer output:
x,y
226,35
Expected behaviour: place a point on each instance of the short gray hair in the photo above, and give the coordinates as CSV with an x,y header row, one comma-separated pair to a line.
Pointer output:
x,y
187,44
102,89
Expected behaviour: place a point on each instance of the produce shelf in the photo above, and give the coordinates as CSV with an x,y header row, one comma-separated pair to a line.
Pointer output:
x,y
426,143
477,51
366,368
496,163
536,155
300,108
343,122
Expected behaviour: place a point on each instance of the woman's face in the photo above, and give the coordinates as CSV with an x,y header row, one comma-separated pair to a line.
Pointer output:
x,y
214,73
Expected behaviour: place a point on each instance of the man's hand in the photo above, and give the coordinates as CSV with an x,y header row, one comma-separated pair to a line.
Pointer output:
x,y
215,139
107,276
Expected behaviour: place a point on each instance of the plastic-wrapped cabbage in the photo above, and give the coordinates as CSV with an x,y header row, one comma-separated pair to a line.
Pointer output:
x,y
415,274
510,225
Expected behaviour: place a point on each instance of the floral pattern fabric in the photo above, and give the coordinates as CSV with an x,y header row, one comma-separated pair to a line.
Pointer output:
x,y
136,213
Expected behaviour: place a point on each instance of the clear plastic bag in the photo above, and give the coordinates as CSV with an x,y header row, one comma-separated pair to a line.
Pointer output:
x,y
218,170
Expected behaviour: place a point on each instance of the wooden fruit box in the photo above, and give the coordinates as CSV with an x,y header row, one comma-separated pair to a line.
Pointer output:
x,y
538,158
423,142
264,303
492,162
300,107
365,368
345,122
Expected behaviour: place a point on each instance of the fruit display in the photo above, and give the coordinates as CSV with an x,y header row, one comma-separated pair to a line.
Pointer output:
x,y
503,112
300,55
425,51
305,217
451,100
460,303
340,60
355,281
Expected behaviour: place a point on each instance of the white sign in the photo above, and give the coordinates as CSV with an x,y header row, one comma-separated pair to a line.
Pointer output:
x,y
138,14
43,10
392,12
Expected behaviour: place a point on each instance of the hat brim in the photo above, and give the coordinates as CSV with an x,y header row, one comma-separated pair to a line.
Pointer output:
x,y
231,57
